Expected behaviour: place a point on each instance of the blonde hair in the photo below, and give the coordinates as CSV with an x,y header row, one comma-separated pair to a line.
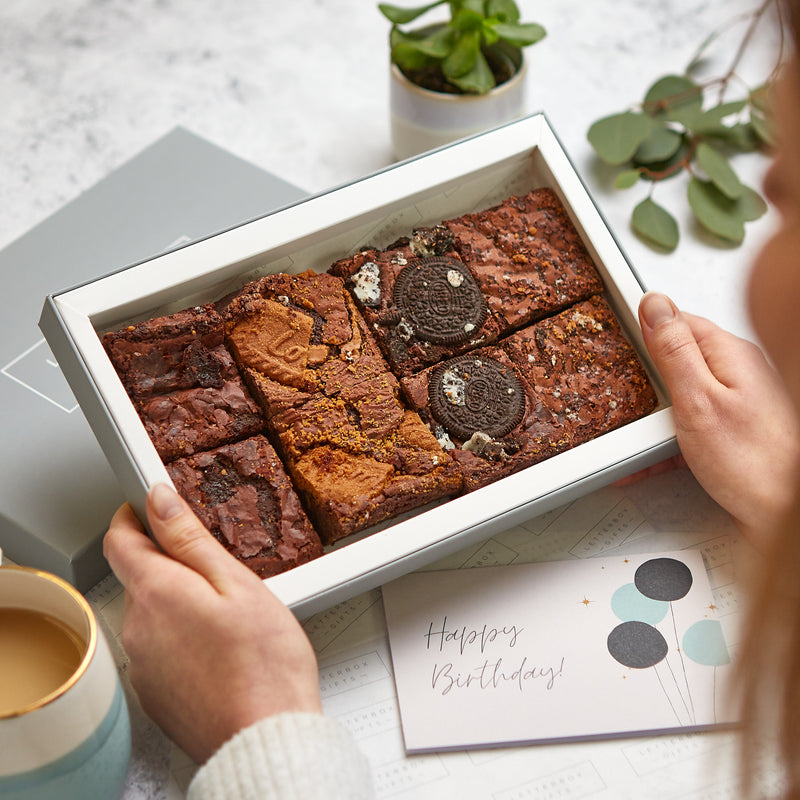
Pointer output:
x,y
769,666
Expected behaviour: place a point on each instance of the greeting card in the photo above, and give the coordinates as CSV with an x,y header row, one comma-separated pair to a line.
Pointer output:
x,y
557,651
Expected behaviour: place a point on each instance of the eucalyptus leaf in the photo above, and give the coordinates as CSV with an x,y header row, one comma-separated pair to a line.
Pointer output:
x,y
714,211
761,97
661,170
673,92
751,204
713,117
520,35
762,127
739,136
719,170
661,144
656,224
400,16
616,138
626,179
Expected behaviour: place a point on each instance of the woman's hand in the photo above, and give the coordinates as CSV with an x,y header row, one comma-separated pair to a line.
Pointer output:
x,y
211,649
735,423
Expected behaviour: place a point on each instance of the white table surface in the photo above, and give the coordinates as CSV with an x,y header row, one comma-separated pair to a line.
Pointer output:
x,y
301,89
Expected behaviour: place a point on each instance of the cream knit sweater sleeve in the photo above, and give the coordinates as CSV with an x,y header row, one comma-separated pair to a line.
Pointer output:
x,y
291,756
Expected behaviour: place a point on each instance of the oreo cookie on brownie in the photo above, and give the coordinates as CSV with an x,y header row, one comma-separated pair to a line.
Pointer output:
x,y
356,454
484,412
420,299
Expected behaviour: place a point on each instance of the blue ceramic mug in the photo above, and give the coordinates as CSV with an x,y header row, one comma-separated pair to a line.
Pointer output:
x,y
64,726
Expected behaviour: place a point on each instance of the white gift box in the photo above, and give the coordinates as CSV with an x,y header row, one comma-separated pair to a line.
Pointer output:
x,y
470,175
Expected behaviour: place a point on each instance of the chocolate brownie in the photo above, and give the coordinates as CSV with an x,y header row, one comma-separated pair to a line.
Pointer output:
x,y
584,369
190,420
527,257
486,415
180,351
242,495
356,455
420,299
184,382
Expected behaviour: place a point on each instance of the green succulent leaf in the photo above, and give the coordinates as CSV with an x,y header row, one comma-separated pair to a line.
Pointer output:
x,y
616,138
400,16
467,20
626,179
504,10
520,35
437,45
655,224
661,144
463,56
719,170
673,94
714,211
478,80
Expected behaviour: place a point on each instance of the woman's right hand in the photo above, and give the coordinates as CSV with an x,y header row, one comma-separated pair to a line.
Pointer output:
x,y
735,424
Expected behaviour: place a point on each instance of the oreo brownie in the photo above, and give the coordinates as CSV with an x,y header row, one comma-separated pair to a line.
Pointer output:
x,y
242,495
184,382
420,299
486,415
584,369
356,454
527,257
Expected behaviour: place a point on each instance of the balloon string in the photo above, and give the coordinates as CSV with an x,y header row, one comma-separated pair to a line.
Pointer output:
x,y
666,694
678,689
692,714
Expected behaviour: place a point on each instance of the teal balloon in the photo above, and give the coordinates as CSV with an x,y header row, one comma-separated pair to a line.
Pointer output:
x,y
629,604
705,644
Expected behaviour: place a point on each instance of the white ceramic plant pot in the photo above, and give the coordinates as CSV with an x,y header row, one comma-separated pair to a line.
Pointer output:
x,y
422,119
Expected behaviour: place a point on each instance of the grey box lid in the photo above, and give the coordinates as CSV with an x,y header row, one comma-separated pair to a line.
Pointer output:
x,y
57,491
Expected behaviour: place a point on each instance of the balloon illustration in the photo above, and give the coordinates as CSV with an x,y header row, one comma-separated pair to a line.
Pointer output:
x,y
704,643
663,579
637,645
628,603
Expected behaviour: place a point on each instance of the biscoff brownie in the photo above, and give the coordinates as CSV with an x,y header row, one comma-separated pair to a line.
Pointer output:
x,y
527,257
355,453
420,299
584,369
486,415
241,493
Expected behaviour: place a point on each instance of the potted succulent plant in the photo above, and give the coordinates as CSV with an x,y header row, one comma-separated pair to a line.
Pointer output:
x,y
456,76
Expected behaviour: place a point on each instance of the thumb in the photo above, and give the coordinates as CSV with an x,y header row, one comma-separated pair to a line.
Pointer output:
x,y
674,348
183,537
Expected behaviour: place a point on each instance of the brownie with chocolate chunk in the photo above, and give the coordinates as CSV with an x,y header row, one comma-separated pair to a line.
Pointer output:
x,y
181,351
484,412
420,299
184,382
584,369
355,453
527,257
242,495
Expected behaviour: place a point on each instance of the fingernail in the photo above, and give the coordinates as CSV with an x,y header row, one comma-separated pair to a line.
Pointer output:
x,y
165,502
656,308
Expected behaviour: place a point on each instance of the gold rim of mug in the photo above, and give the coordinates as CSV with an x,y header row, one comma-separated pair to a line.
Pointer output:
x,y
91,644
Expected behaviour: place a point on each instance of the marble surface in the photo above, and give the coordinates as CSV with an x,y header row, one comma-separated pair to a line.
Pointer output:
x,y
301,89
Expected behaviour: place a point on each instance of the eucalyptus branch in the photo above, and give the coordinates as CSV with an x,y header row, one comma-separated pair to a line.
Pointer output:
x,y
673,131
